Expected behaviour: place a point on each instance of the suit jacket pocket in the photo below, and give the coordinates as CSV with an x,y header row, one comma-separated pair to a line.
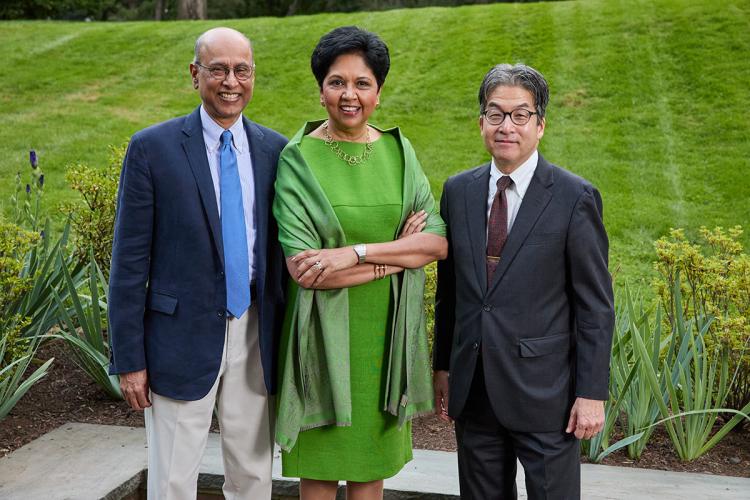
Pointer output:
x,y
161,302
541,346
544,239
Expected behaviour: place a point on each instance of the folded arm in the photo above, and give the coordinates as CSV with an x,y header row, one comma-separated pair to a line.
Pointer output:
x,y
339,267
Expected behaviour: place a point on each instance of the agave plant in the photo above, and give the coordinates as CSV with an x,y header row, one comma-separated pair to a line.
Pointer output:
x,y
83,326
14,365
46,265
694,386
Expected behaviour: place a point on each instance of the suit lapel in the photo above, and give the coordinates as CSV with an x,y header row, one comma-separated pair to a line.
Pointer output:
x,y
195,150
261,179
536,199
476,221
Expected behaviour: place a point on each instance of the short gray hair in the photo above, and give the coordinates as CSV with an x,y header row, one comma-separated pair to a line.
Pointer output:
x,y
517,75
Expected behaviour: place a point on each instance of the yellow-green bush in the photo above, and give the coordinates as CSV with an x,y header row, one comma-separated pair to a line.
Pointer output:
x,y
15,243
714,275
93,218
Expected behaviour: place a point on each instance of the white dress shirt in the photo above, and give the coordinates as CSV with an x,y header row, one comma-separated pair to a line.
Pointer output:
x,y
514,193
212,137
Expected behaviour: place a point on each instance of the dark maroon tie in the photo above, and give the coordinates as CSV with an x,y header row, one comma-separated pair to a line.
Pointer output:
x,y
497,226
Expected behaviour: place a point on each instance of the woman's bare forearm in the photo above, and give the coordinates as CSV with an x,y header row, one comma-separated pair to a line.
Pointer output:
x,y
357,275
415,250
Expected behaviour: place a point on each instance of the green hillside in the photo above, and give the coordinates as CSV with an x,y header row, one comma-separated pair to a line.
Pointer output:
x,y
649,98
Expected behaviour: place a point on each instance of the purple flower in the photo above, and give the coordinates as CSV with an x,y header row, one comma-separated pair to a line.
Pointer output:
x,y
33,159
41,233
41,180
28,189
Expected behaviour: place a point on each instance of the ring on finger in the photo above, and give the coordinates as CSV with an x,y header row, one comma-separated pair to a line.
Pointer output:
x,y
318,265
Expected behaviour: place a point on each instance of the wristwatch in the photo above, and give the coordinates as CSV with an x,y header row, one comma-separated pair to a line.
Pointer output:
x,y
361,250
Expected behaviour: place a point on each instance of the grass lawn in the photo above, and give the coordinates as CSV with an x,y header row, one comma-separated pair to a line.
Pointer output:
x,y
649,98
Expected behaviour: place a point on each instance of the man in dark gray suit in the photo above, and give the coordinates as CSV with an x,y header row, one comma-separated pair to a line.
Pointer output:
x,y
524,305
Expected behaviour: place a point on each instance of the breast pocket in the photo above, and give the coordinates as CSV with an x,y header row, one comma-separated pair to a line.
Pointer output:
x,y
538,239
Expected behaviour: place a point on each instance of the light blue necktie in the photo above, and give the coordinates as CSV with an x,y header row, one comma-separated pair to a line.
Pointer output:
x,y
234,236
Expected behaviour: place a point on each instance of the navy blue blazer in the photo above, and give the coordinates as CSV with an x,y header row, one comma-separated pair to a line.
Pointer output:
x,y
544,325
167,292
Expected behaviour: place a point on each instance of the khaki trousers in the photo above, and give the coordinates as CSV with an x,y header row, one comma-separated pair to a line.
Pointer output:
x,y
177,431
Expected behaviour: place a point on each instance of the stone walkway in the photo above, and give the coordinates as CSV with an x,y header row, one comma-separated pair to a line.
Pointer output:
x,y
84,461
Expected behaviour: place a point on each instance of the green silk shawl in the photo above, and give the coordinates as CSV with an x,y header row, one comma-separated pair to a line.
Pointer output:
x,y
314,382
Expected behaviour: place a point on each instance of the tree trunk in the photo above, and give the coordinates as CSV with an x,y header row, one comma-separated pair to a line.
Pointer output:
x,y
191,9
158,10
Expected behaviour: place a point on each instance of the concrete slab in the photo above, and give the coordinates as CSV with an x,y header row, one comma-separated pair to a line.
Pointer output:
x,y
84,461
604,482
76,462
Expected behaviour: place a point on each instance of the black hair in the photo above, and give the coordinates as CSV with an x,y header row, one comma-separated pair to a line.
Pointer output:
x,y
348,40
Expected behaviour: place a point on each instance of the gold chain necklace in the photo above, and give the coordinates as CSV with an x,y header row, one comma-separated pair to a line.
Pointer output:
x,y
336,148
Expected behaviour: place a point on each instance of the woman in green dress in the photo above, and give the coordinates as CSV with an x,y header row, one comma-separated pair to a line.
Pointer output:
x,y
357,222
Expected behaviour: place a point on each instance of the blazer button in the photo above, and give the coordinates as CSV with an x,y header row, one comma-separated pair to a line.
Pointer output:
x,y
475,346
487,308
220,314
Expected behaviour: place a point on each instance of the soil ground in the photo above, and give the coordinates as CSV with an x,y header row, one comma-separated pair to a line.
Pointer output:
x,y
67,395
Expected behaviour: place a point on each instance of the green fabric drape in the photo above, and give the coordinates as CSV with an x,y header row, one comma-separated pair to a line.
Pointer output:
x,y
315,388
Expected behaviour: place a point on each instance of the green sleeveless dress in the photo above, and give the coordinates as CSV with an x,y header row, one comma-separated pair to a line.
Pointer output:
x,y
367,201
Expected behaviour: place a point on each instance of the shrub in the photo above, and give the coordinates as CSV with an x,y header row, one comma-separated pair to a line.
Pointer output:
x,y
93,218
16,351
715,282
430,285
15,243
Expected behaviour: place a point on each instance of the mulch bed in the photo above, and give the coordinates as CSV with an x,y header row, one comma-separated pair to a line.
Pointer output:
x,y
67,395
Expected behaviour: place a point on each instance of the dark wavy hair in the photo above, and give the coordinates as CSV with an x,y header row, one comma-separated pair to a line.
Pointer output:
x,y
348,40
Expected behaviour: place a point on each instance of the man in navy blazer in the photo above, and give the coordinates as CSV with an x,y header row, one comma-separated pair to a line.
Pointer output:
x,y
178,349
524,306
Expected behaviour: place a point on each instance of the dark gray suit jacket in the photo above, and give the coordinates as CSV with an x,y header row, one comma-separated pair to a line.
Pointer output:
x,y
544,326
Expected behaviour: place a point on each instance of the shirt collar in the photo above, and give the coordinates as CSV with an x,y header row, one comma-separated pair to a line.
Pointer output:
x,y
521,176
212,133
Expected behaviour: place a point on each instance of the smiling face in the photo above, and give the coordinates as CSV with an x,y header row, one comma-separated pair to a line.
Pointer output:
x,y
223,99
510,144
349,93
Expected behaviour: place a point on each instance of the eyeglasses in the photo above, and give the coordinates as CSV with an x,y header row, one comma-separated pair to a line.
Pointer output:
x,y
518,116
242,72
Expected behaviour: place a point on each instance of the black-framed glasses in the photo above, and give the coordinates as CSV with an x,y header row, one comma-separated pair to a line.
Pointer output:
x,y
242,72
518,116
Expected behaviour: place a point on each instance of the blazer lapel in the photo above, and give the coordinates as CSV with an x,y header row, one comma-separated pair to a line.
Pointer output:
x,y
262,177
195,150
476,221
536,199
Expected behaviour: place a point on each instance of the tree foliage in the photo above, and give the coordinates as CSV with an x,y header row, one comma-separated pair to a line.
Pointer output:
x,y
103,10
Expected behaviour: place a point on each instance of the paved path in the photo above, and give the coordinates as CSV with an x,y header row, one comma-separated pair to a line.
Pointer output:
x,y
84,461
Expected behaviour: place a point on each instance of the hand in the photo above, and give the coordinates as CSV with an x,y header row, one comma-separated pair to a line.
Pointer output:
x,y
311,267
415,223
441,386
586,418
134,387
